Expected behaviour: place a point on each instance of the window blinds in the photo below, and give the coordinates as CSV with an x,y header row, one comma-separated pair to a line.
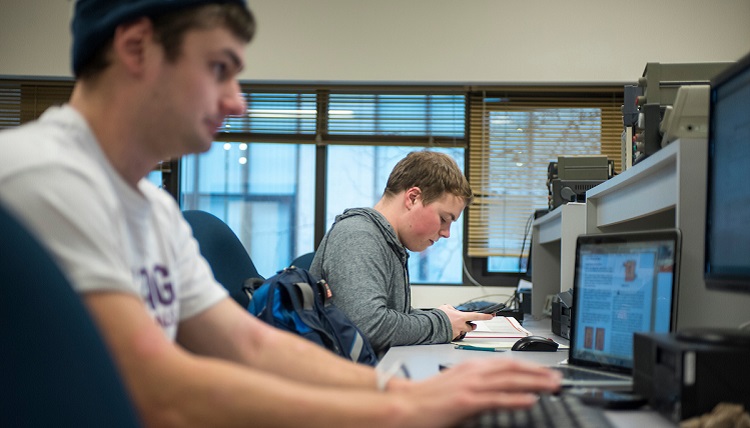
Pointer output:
x,y
513,133
346,115
513,136
23,101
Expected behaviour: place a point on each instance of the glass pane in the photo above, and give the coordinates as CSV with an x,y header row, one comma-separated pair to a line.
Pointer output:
x,y
356,178
155,177
521,146
352,114
397,115
269,113
505,264
263,191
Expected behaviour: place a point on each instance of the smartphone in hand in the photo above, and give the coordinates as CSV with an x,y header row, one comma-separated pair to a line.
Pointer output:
x,y
492,309
481,307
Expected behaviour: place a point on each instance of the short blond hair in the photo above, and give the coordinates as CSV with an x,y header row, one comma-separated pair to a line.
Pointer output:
x,y
434,173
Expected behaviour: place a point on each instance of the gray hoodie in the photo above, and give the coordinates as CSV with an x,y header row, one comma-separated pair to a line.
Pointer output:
x,y
367,268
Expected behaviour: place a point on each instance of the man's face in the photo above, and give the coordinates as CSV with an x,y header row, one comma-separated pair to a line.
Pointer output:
x,y
427,223
198,90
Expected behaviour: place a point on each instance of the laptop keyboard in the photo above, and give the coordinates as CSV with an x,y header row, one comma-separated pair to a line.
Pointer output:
x,y
571,373
550,410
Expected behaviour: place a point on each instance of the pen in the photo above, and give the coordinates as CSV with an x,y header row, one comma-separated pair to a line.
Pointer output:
x,y
479,348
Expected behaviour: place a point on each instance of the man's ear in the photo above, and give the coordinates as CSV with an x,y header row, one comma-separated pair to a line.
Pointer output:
x,y
412,196
130,44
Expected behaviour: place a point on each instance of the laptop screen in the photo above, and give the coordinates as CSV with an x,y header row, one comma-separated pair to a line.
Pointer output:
x,y
624,283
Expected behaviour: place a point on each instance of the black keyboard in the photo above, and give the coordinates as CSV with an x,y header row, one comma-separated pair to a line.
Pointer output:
x,y
550,411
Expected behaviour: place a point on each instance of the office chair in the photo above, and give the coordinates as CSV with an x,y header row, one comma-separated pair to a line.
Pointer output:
x,y
56,370
304,261
229,261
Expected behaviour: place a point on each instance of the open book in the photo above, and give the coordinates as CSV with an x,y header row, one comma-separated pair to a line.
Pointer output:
x,y
498,328
497,333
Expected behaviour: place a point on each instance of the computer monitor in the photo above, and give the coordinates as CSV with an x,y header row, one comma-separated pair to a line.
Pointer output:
x,y
727,243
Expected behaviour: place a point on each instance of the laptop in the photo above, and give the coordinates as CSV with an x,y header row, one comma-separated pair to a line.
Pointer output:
x,y
623,283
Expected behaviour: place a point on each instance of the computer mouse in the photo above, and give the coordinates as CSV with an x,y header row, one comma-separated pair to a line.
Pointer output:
x,y
535,343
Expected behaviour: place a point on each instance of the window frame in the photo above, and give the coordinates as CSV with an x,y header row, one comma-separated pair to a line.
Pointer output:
x,y
47,92
322,138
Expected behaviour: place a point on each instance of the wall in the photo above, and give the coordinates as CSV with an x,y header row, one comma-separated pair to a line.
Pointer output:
x,y
477,41
437,41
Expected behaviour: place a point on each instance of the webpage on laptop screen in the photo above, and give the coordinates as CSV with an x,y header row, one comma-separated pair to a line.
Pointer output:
x,y
622,291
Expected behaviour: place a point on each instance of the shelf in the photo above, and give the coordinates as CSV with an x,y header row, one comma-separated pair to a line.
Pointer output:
x,y
648,188
553,242
667,190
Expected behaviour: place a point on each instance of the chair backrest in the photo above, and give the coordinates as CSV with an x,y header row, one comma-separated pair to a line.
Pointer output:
x,y
56,370
304,261
228,258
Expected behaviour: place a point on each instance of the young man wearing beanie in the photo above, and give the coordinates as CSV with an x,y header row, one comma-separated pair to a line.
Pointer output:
x,y
155,80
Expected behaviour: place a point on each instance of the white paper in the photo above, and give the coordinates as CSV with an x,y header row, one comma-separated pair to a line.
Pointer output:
x,y
500,328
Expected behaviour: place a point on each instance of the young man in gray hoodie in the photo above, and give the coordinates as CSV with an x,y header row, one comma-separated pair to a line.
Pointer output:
x,y
364,259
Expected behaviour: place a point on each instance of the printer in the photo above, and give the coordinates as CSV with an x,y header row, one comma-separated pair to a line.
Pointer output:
x,y
571,177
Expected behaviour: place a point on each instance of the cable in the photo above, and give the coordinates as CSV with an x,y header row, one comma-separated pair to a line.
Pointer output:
x,y
468,275
526,231
485,296
514,301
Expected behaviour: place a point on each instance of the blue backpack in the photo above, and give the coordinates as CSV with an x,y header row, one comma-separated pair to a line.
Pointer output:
x,y
295,300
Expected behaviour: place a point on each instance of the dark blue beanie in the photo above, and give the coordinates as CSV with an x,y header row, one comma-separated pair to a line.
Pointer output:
x,y
94,21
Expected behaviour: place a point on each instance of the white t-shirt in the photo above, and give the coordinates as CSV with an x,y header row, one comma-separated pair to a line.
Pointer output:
x,y
103,233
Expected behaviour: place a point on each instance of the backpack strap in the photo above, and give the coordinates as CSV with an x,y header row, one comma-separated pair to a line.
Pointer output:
x,y
357,347
308,297
250,285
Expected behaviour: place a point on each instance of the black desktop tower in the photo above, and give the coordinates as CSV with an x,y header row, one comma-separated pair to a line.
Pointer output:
x,y
562,313
682,379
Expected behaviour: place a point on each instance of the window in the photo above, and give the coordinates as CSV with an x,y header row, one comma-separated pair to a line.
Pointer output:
x,y
357,174
302,154
22,101
295,149
356,178
263,191
514,135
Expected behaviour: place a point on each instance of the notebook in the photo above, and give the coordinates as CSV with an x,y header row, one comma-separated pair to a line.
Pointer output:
x,y
623,283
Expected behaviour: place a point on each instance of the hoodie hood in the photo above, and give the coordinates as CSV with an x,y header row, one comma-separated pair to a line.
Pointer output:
x,y
382,224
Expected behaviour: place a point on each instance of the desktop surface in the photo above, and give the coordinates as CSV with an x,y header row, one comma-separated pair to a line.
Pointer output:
x,y
423,361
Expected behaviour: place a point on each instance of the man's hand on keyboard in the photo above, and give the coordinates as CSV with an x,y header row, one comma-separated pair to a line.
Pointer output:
x,y
481,384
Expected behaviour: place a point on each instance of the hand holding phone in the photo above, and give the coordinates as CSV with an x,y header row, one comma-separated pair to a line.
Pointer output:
x,y
492,309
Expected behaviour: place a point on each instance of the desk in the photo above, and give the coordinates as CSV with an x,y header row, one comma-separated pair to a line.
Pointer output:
x,y
422,361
